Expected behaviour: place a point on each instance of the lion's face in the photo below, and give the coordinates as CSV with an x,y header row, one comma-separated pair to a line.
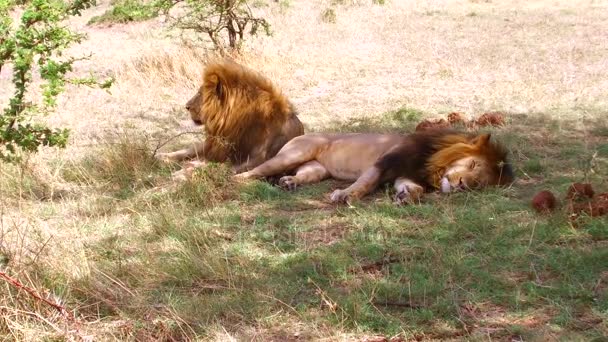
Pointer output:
x,y
468,173
194,106
471,164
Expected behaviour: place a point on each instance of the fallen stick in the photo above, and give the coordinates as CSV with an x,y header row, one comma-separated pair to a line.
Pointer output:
x,y
16,283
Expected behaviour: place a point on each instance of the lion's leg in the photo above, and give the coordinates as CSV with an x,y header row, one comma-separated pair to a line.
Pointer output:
x,y
251,163
364,185
187,170
259,156
194,151
292,155
310,172
407,191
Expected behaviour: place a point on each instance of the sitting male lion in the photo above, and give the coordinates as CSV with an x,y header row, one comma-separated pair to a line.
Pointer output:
x,y
247,120
440,159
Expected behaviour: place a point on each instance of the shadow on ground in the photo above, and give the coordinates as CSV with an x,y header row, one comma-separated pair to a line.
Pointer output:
x,y
214,254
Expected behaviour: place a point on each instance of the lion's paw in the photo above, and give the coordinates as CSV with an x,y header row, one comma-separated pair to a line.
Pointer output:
x,y
181,175
288,183
340,196
408,194
242,176
404,198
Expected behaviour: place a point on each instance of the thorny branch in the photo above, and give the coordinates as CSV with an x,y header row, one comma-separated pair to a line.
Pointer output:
x,y
17,284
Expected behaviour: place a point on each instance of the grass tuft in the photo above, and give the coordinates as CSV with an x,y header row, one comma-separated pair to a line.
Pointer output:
x,y
401,120
208,186
122,165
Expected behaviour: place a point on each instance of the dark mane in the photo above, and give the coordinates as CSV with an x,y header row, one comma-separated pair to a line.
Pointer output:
x,y
412,157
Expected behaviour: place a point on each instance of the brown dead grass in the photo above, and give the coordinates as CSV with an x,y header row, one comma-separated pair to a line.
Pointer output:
x,y
328,234
435,56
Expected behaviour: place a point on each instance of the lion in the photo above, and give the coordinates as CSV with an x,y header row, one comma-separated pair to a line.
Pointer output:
x,y
246,119
436,159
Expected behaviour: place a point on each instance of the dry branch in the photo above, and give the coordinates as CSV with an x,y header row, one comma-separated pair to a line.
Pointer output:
x,y
17,284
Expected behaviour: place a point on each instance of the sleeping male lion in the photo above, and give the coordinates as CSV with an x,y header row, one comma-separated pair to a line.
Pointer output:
x,y
246,119
439,159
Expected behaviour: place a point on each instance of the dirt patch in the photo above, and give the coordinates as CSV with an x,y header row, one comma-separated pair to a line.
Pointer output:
x,y
487,319
327,234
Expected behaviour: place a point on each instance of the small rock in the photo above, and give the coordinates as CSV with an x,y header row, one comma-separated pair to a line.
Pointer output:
x,y
544,201
578,191
491,119
597,207
456,118
429,124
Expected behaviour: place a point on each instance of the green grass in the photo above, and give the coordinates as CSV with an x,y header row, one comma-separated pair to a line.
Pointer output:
x,y
402,120
125,11
212,253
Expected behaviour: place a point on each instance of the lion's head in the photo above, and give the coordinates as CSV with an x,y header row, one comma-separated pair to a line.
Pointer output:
x,y
463,162
232,98
240,110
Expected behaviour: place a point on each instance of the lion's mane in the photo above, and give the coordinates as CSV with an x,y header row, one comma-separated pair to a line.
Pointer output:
x,y
242,108
424,156
454,146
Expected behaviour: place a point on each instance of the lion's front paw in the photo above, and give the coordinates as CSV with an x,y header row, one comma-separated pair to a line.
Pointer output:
x,y
187,170
181,175
288,183
408,194
340,196
243,176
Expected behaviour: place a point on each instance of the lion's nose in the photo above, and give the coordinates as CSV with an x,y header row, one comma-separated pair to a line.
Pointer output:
x,y
188,107
461,185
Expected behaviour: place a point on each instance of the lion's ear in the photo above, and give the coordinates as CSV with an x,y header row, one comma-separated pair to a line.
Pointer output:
x,y
216,82
219,91
481,140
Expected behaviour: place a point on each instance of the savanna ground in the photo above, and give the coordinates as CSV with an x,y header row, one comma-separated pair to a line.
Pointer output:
x,y
100,228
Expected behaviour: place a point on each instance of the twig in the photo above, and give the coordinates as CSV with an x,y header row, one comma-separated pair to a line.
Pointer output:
x,y
397,304
160,145
16,283
116,281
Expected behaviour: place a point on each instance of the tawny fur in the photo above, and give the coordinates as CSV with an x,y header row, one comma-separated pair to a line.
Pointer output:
x,y
438,159
247,99
453,147
246,119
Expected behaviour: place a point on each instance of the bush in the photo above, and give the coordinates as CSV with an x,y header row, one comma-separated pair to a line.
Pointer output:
x,y
38,40
224,23
125,11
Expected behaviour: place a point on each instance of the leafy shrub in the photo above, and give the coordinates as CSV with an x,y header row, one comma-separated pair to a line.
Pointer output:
x,y
125,11
36,45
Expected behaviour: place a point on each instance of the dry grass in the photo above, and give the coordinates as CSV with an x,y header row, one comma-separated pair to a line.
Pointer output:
x,y
93,222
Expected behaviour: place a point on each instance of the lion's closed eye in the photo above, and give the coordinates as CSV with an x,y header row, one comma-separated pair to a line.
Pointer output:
x,y
473,164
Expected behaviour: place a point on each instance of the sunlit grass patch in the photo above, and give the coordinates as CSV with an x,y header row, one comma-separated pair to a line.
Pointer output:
x,y
122,164
401,120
